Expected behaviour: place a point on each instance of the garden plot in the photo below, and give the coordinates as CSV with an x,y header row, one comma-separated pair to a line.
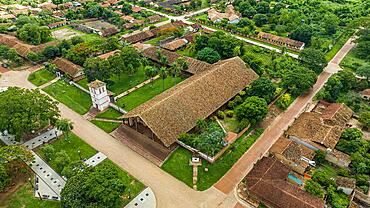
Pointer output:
x,y
65,34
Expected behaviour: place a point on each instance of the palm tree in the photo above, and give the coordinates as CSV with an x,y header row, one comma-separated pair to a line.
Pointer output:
x,y
163,72
163,60
64,125
150,71
177,66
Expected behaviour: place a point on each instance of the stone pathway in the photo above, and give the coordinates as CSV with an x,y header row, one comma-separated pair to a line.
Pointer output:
x,y
136,87
108,120
146,199
7,138
96,159
49,83
48,176
42,139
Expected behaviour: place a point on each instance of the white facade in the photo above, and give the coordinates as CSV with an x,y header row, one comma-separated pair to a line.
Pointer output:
x,y
99,95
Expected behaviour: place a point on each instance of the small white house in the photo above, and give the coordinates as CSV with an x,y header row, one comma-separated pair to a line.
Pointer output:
x,y
99,95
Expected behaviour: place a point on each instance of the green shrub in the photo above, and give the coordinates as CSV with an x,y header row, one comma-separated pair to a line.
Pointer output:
x,y
220,114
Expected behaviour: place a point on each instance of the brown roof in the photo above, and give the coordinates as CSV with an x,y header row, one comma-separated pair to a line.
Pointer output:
x,y
22,48
281,40
96,84
177,109
154,18
365,92
127,18
345,182
195,66
7,16
267,181
136,9
56,24
292,151
68,67
310,127
109,31
175,44
337,114
109,54
137,37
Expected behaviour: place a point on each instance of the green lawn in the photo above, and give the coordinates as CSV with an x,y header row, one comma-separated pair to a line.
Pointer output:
x,y
123,82
337,46
145,93
133,186
106,126
41,77
71,96
71,145
186,52
24,198
178,163
154,41
232,124
351,61
109,114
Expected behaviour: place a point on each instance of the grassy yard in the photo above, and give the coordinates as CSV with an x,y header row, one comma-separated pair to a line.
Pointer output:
x,y
337,46
106,126
41,77
231,124
133,186
72,144
154,41
71,96
178,163
145,93
351,61
186,52
24,198
123,82
109,114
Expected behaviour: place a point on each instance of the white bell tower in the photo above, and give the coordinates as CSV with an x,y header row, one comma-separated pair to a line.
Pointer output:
x,y
99,95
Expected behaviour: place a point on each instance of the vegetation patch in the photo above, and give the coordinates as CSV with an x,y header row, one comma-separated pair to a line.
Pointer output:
x,y
147,92
178,163
110,113
106,126
41,77
71,96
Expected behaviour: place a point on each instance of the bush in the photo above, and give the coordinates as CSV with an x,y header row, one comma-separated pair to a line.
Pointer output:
x,y
314,188
220,114
284,101
229,113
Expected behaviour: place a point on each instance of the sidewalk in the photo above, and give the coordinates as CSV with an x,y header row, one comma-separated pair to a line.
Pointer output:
x,y
136,87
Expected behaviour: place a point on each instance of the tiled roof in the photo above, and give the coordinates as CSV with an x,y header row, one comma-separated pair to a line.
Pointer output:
x,y
176,110
137,37
267,181
175,44
68,67
345,182
281,40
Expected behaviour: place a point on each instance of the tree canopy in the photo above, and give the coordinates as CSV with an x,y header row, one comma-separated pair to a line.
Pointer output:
x,y
23,111
299,80
253,109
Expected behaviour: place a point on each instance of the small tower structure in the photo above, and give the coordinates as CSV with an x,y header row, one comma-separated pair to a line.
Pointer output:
x,y
99,95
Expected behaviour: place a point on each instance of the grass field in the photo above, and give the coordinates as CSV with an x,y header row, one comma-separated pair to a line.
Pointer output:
x,y
337,46
71,96
109,114
106,126
41,77
351,61
145,93
178,163
72,144
123,82
154,41
24,198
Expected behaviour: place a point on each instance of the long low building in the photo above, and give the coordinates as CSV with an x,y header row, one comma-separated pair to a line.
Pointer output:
x,y
176,110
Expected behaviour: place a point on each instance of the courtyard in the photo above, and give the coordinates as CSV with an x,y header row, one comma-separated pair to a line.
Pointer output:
x,y
65,33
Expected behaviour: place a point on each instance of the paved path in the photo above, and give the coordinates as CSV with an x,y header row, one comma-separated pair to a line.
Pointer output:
x,y
95,159
146,199
230,180
43,138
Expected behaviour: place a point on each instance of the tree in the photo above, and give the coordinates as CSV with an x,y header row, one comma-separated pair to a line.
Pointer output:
x,y
151,71
208,55
320,156
364,71
34,34
163,73
48,151
314,188
351,134
23,111
260,19
177,67
322,178
64,125
314,58
51,52
34,57
365,119
74,168
61,160
263,88
330,23
254,109
12,160
299,80
98,186
263,7
302,33
96,68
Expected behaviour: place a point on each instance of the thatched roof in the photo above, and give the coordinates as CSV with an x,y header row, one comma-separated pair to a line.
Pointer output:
x,y
177,109
267,181
195,66
71,69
